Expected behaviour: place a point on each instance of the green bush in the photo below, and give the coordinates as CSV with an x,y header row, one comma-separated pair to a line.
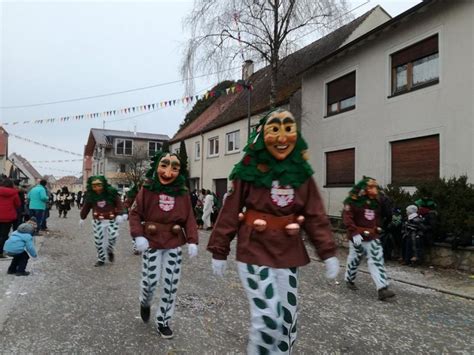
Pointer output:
x,y
454,198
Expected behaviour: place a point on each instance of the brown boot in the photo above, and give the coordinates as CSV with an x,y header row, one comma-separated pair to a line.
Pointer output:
x,y
385,293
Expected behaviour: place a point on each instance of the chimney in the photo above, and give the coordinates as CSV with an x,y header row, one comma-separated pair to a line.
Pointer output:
x,y
247,70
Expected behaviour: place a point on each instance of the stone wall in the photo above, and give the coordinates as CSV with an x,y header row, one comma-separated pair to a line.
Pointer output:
x,y
440,255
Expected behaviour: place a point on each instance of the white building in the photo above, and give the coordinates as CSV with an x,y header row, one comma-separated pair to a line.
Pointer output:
x,y
395,104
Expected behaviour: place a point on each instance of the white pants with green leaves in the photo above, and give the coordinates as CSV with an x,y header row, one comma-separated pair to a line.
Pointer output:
x,y
164,264
105,236
374,253
273,297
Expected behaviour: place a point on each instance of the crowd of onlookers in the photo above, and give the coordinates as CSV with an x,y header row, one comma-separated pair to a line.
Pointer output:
x,y
206,207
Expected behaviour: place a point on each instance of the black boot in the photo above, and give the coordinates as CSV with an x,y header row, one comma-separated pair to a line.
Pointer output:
x,y
111,255
385,293
145,313
99,263
165,332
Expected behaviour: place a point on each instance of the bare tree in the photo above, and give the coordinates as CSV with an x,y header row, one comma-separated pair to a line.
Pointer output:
x,y
267,30
135,167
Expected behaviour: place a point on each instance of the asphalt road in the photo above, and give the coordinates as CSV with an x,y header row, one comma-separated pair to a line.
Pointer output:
x,y
68,306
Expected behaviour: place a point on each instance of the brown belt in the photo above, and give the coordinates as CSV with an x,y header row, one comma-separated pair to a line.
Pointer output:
x,y
151,228
366,232
101,215
273,222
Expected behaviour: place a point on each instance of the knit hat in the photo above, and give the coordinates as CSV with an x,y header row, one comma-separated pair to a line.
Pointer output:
x,y
33,219
26,228
411,209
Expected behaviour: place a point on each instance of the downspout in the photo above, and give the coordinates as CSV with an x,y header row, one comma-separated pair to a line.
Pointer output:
x,y
202,160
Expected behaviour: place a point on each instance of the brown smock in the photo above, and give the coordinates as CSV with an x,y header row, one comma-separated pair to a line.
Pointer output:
x,y
358,219
272,247
160,208
103,208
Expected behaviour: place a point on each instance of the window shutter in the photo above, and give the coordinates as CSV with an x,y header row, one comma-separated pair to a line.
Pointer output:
x,y
415,160
416,51
341,88
340,167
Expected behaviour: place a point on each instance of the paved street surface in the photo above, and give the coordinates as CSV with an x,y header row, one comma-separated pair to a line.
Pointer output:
x,y
69,306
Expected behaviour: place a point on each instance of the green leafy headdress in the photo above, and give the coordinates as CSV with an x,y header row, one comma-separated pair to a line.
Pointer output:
x,y
108,194
358,196
259,167
152,183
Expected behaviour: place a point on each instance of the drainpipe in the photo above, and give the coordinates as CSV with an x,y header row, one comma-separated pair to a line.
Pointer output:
x,y
202,160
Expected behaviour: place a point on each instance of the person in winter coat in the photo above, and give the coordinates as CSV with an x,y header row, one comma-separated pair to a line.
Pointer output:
x,y
38,199
19,245
9,203
207,209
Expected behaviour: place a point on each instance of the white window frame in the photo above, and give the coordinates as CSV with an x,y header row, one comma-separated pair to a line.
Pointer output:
x,y
197,150
117,141
156,144
236,142
214,154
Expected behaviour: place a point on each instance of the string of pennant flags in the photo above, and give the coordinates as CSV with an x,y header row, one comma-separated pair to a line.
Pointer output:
x,y
135,109
60,170
45,145
56,161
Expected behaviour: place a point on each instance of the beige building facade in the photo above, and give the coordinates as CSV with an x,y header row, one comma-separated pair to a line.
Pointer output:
x,y
409,115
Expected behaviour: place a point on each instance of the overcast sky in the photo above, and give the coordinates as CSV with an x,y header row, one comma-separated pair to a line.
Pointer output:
x,y
59,50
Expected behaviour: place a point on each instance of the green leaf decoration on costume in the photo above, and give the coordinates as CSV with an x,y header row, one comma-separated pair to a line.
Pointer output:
x,y
173,255
152,183
283,346
252,284
175,281
287,317
270,323
358,197
293,329
168,270
153,258
171,262
250,269
167,281
260,303
294,170
278,308
293,270
165,300
268,339
152,268
292,281
269,292
152,276
264,274
176,271
263,351
284,330
291,298
109,193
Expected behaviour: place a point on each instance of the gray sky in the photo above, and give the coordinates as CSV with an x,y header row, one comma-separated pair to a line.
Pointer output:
x,y
59,50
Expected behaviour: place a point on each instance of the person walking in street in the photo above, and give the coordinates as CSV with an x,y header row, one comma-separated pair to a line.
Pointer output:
x,y
362,218
38,200
161,222
207,209
79,199
107,209
9,204
64,202
274,183
19,245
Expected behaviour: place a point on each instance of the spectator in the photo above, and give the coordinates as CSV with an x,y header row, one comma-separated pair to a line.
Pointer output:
x,y
207,209
19,245
413,237
20,211
215,208
38,199
394,229
65,200
79,199
9,203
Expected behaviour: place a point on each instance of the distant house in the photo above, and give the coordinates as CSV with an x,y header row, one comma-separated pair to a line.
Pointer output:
x,y
113,153
73,184
214,141
20,168
3,150
395,104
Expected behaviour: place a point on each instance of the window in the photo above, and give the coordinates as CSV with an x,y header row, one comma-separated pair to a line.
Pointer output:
x,y
415,160
341,94
153,147
197,150
213,150
340,168
416,66
123,168
123,146
232,141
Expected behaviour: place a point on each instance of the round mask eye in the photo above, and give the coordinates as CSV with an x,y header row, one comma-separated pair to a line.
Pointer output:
x,y
288,129
275,129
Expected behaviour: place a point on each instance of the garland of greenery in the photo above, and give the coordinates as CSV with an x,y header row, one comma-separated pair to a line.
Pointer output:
x,y
152,183
108,194
358,197
260,168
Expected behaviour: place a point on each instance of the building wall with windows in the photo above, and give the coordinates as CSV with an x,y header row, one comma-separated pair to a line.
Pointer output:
x,y
406,117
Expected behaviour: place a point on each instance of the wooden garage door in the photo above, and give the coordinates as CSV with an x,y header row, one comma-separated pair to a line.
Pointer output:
x,y
415,160
340,168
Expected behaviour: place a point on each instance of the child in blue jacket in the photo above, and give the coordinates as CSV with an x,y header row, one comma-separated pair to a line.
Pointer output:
x,y
19,245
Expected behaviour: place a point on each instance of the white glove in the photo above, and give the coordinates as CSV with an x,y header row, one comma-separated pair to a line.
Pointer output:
x,y
141,243
192,250
332,267
119,219
125,217
218,267
357,239
81,222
